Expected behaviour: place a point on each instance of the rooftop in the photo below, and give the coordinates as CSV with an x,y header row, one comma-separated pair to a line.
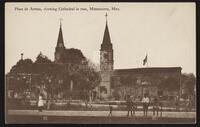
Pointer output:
x,y
148,70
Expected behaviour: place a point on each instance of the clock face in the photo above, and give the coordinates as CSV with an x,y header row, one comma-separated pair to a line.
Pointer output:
x,y
104,56
57,56
60,44
104,67
105,77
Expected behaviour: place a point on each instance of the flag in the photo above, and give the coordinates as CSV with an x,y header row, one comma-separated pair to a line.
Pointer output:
x,y
145,60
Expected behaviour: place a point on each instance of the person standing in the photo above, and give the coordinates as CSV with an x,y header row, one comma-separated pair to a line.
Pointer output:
x,y
40,103
161,109
177,105
110,108
145,102
133,108
86,105
155,106
128,105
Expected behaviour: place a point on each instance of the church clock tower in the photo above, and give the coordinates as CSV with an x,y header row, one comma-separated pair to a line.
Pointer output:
x,y
60,47
106,63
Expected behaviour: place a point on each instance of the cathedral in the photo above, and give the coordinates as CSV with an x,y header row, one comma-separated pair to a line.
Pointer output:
x,y
117,83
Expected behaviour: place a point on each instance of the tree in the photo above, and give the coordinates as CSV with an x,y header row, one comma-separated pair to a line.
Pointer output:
x,y
56,77
74,56
171,83
128,80
188,82
80,71
86,78
42,65
22,66
18,76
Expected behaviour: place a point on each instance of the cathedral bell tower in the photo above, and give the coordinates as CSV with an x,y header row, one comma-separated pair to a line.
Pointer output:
x,y
60,47
106,64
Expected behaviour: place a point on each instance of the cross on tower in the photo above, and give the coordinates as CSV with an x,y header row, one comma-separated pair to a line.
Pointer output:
x,y
106,16
60,21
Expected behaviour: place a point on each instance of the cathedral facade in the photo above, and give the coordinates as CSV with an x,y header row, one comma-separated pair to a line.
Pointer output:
x,y
117,83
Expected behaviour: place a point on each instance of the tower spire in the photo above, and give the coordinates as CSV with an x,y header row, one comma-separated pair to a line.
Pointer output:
x,y
106,38
60,41
106,44
60,48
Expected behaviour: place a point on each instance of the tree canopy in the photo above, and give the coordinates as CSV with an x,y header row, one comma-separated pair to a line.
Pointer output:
x,y
74,56
188,82
57,77
23,66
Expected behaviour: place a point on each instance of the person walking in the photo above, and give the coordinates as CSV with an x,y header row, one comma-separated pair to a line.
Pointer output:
x,y
40,103
145,102
110,109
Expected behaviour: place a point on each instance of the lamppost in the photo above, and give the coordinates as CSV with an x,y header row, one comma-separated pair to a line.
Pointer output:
x,y
71,90
30,83
22,56
60,82
49,93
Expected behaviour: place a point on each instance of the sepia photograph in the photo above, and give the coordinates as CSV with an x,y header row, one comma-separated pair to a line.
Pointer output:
x,y
100,63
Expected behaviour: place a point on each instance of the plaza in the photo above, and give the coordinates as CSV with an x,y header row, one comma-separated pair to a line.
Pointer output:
x,y
92,117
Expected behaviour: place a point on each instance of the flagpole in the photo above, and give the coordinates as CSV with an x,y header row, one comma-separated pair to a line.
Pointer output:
x,y
147,61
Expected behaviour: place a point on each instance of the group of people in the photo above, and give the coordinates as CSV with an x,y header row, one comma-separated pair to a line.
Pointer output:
x,y
156,106
132,107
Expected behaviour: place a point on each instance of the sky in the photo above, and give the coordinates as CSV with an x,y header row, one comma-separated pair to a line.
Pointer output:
x,y
166,32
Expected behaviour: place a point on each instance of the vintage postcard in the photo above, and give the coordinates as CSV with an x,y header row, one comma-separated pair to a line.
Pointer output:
x,y
104,63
